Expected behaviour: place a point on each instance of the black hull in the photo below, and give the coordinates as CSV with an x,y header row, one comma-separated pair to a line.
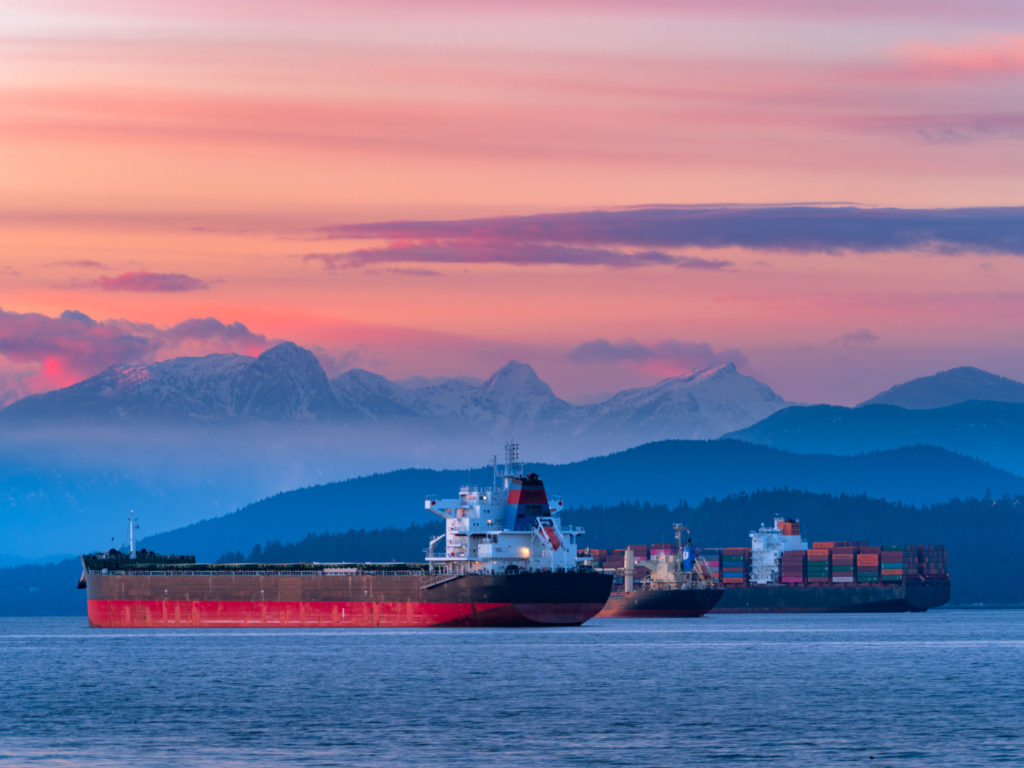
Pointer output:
x,y
834,598
660,603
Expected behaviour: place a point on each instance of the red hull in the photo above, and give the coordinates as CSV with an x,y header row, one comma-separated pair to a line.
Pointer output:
x,y
236,613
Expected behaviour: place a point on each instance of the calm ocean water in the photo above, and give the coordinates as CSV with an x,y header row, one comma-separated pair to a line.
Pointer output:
x,y
939,689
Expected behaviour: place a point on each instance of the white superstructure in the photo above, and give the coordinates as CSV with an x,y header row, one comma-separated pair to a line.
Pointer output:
x,y
510,525
767,545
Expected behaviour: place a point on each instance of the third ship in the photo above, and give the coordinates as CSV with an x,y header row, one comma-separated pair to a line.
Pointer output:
x,y
781,573
668,583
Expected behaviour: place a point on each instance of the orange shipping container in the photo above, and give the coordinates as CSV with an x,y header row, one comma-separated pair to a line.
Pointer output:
x,y
788,528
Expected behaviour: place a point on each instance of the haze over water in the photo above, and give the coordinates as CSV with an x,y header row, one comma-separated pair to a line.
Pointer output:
x,y
937,689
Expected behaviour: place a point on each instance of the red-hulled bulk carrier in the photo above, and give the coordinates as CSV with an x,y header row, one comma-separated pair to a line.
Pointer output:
x,y
507,561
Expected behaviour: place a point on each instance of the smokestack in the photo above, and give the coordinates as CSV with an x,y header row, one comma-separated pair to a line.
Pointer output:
x,y
628,585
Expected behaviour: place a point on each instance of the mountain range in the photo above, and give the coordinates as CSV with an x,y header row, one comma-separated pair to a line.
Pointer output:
x,y
192,439
286,384
965,410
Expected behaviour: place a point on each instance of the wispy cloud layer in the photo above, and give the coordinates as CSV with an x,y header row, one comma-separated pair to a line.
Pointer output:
x,y
80,263
523,254
800,228
686,355
151,282
989,55
856,338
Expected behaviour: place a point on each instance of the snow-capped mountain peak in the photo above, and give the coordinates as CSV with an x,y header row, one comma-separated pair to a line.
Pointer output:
x,y
515,379
287,384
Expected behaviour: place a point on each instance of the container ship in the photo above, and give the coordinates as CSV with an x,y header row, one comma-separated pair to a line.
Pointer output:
x,y
665,581
780,573
506,560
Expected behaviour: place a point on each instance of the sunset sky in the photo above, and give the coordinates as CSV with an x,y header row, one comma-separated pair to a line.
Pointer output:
x,y
826,194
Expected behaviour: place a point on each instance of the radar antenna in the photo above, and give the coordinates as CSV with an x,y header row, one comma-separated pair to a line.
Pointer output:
x,y
513,468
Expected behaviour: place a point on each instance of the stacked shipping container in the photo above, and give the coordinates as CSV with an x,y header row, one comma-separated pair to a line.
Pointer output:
x,y
932,561
616,559
735,565
837,562
791,568
894,564
818,565
713,560
842,563
867,565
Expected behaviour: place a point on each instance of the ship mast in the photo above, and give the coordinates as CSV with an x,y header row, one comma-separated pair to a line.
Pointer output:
x,y
679,528
132,527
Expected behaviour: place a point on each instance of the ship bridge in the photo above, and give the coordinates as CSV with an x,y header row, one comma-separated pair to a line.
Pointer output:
x,y
509,526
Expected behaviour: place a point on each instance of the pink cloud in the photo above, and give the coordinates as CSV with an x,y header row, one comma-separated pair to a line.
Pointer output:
x,y
39,353
991,55
156,282
678,355
269,10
